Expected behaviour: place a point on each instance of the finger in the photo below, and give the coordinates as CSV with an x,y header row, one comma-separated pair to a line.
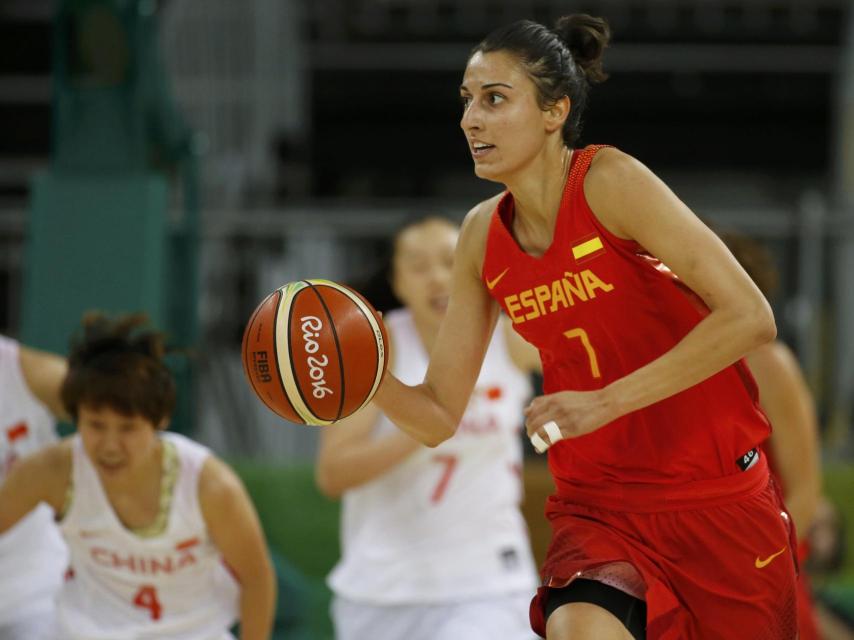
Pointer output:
x,y
553,431
545,437
540,445
531,427
539,414
534,408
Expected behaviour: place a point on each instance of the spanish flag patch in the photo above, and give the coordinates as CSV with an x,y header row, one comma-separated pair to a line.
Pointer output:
x,y
587,248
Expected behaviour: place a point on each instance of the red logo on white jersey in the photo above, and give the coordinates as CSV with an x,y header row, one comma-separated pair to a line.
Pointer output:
x,y
494,393
146,565
478,425
17,431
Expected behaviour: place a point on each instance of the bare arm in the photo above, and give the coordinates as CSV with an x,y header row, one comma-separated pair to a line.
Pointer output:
x,y
786,400
633,203
350,457
524,355
431,411
44,373
235,530
41,477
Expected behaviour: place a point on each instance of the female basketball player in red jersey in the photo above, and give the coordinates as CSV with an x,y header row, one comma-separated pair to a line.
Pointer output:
x,y
664,523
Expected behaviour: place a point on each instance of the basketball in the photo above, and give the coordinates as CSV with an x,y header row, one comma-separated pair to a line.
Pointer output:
x,y
314,351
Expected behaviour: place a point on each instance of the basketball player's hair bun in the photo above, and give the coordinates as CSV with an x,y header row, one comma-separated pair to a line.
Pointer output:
x,y
586,37
118,363
103,336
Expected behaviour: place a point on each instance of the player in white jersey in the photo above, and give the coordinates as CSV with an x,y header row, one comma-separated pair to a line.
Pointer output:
x,y
33,556
434,546
163,538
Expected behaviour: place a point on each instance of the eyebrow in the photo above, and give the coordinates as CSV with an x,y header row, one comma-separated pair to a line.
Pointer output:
x,y
488,85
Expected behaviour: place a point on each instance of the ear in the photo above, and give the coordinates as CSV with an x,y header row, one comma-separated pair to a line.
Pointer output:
x,y
557,114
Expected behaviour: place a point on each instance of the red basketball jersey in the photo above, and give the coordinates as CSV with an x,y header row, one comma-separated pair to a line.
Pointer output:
x,y
598,307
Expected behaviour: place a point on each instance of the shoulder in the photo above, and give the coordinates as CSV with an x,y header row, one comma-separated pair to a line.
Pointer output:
x,y
624,194
32,359
54,460
611,167
223,499
218,483
186,447
478,218
44,374
482,211
772,358
50,470
475,228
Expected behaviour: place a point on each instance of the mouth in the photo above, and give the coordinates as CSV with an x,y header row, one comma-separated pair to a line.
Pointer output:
x,y
439,304
480,149
110,466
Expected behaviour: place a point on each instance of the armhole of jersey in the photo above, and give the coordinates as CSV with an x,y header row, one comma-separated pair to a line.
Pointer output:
x,y
394,340
191,459
393,333
68,502
494,220
507,360
579,175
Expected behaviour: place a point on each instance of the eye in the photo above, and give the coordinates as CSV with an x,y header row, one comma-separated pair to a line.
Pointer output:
x,y
495,98
465,101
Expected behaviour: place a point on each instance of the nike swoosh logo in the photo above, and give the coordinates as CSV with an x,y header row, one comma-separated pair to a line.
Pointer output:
x,y
490,284
761,564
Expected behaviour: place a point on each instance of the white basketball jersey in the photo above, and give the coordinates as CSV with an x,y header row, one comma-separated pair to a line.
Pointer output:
x,y
124,587
33,556
444,524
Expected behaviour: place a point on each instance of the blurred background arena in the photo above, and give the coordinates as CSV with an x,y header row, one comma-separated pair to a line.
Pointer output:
x,y
186,157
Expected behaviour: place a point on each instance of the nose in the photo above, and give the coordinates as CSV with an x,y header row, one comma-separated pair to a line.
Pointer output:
x,y
471,120
109,443
440,275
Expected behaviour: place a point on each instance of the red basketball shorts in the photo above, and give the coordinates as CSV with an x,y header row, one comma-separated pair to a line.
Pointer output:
x,y
721,571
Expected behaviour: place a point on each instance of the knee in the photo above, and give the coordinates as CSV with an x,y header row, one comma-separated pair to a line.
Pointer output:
x,y
584,621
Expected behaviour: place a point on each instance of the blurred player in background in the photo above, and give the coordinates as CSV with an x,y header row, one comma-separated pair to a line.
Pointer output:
x,y
793,449
33,555
664,521
164,541
434,546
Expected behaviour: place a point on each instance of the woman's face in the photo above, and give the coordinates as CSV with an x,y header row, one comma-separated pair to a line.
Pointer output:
x,y
118,445
421,268
502,120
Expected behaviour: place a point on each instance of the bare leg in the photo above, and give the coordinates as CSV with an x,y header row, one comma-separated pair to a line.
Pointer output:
x,y
584,621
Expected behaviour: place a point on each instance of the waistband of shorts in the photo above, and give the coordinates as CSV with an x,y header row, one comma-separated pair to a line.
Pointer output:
x,y
648,498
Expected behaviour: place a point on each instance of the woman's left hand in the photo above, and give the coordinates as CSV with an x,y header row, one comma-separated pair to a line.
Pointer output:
x,y
566,414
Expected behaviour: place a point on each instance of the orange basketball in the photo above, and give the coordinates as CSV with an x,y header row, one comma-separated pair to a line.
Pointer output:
x,y
315,351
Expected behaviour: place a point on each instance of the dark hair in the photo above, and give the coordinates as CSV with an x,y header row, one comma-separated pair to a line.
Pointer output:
x,y
755,259
119,364
563,61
